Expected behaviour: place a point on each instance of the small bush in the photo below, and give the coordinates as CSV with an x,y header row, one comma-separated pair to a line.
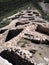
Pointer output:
x,y
4,23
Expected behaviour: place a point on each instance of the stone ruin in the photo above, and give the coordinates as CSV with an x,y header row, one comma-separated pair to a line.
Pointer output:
x,y
25,41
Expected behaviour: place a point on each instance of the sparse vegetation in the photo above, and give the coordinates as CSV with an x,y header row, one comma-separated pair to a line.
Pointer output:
x,y
9,7
4,23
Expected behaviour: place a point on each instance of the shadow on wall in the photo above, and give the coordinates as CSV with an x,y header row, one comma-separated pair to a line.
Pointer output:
x,y
2,31
13,58
12,34
19,23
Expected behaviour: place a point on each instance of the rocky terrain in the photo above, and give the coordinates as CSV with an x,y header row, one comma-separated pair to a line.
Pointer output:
x,y
25,41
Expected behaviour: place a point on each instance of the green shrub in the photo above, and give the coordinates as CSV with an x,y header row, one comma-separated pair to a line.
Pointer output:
x,y
4,23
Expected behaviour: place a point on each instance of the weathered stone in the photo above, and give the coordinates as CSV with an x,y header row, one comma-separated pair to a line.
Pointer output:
x,y
4,62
